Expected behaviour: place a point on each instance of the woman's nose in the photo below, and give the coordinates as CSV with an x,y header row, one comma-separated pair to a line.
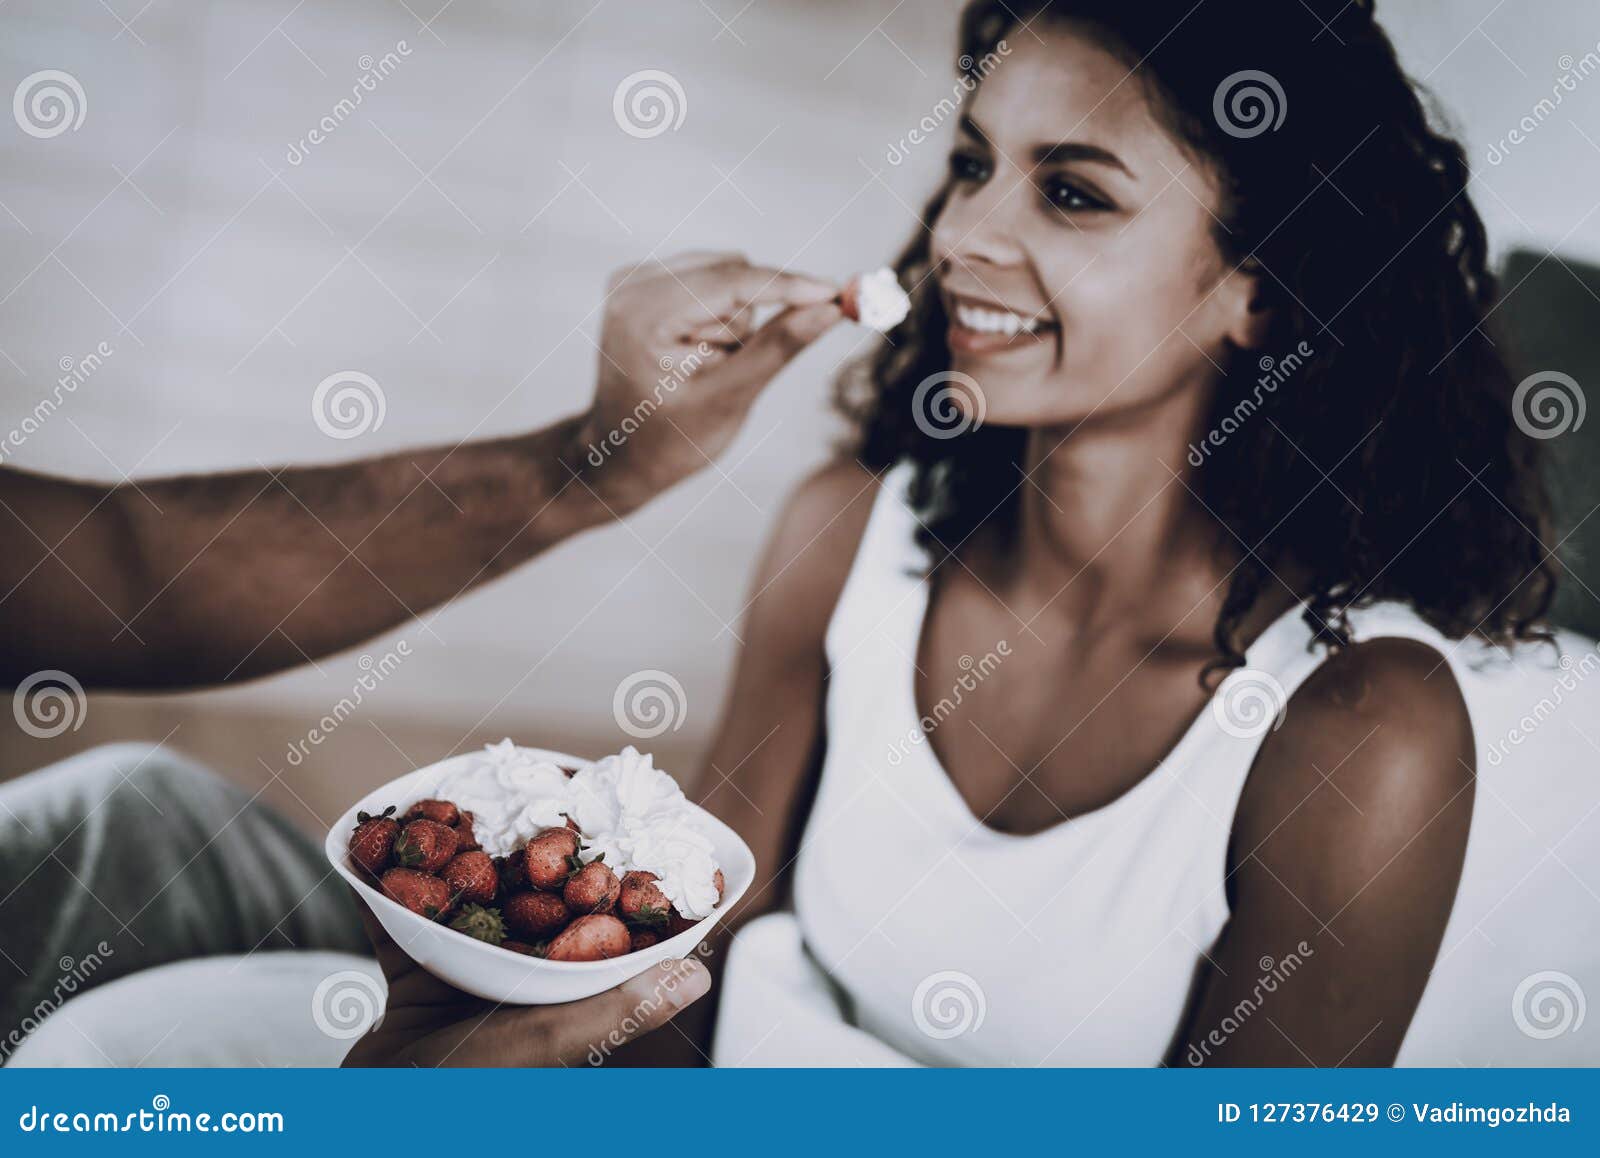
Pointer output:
x,y
976,227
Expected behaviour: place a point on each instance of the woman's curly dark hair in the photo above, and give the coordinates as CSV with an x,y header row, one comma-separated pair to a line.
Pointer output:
x,y
1390,465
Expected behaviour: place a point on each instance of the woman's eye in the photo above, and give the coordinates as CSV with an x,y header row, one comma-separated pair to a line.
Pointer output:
x,y
968,167
1069,198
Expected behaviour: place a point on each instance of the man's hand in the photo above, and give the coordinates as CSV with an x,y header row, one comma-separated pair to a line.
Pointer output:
x,y
428,1023
682,360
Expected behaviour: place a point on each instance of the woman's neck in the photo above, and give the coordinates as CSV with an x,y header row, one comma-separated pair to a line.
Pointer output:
x,y
1107,521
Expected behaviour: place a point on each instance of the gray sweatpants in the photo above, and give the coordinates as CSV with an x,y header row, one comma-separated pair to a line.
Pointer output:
x,y
130,856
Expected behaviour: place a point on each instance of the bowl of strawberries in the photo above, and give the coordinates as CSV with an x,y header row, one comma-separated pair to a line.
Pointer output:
x,y
533,877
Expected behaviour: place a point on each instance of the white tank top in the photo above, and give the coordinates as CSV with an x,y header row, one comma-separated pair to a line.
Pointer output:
x,y
958,944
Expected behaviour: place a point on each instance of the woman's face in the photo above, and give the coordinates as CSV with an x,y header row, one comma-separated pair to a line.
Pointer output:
x,y
1073,212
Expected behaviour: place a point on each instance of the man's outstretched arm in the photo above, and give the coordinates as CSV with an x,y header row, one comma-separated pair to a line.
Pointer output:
x,y
200,579
197,580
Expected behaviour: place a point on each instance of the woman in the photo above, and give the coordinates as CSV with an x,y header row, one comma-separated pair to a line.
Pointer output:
x,y
1238,415
1083,813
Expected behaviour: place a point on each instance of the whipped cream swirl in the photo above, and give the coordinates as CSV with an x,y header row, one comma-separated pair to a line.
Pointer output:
x,y
628,809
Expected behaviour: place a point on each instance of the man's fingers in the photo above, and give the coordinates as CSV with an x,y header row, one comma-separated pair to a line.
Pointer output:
x,y
589,1030
725,290
772,347
391,958
699,259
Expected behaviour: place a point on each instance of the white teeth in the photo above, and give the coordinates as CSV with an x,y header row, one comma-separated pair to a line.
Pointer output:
x,y
986,321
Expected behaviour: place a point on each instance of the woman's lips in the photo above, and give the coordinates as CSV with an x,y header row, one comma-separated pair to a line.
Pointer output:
x,y
968,341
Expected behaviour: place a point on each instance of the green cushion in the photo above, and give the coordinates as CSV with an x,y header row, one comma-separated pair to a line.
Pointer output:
x,y
1550,318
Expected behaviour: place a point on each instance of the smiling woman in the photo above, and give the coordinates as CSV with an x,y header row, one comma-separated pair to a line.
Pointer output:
x,y
1135,227
1167,225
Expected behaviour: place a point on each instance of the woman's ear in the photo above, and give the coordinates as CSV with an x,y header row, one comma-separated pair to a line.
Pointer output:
x,y
1250,316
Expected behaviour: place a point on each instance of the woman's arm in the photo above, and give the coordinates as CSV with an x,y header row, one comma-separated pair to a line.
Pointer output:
x,y
1347,850
195,580
760,776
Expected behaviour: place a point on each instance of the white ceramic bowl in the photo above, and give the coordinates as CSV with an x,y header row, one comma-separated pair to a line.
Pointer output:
x,y
497,974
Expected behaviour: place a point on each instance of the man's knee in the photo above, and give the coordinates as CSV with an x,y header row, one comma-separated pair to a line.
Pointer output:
x,y
160,775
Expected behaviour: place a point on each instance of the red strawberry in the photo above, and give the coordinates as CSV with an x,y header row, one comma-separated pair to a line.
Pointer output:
x,y
592,889
513,872
721,885
425,845
548,858
425,895
850,299
535,915
592,938
373,840
470,876
438,811
481,924
466,839
642,939
524,948
640,900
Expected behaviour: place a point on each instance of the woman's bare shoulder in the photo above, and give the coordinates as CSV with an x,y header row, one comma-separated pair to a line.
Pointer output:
x,y
813,544
1374,757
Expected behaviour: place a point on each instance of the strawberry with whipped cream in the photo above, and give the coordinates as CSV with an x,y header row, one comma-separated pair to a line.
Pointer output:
x,y
627,809
875,300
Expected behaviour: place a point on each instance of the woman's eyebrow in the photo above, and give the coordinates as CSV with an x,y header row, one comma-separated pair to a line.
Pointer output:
x,y
1063,151
1079,151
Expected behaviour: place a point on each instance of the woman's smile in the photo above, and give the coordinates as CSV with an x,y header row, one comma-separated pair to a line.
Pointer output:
x,y
981,326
